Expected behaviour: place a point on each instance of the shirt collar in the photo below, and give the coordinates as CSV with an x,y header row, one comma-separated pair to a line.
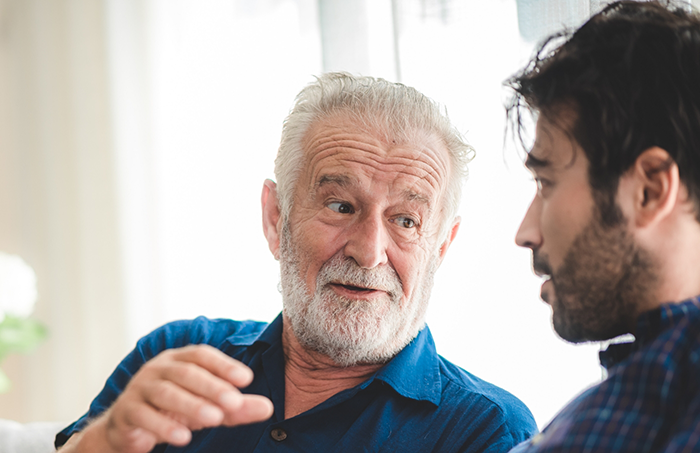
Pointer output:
x,y
272,333
649,325
413,373
265,337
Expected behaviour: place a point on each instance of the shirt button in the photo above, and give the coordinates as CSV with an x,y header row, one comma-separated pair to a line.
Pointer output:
x,y
278,434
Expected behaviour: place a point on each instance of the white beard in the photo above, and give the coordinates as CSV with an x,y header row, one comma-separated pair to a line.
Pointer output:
x,y
351,331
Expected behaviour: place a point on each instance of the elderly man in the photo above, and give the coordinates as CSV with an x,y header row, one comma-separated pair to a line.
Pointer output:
x,y
361,217
615,225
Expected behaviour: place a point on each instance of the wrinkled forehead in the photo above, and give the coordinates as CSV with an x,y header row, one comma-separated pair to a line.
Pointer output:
x,y
343,144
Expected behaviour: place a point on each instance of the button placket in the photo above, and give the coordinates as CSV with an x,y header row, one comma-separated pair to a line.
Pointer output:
x,y
278,434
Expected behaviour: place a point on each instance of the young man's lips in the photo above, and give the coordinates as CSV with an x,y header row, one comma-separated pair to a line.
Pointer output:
x,y
545,290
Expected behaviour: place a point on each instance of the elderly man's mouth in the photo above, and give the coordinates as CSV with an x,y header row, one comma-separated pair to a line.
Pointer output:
x,y
355,291
356,288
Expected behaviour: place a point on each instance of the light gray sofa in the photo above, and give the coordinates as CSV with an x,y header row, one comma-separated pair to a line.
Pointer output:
x,y
28,437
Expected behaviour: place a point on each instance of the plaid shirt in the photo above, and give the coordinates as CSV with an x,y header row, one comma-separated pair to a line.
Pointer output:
x,y
650,401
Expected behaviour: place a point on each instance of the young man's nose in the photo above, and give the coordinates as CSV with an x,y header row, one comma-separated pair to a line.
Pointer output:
x,y
529,234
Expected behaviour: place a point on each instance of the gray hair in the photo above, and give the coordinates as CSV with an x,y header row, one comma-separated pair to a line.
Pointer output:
x,y
392,109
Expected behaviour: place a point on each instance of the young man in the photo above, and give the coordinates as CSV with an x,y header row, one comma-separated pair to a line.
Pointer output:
x,y
614,228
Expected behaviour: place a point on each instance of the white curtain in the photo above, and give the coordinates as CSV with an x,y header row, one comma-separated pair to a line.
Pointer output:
x,y
130,130
58,203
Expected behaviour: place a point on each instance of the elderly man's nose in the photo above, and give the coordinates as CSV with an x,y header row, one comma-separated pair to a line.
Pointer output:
x,y
529,234
368,242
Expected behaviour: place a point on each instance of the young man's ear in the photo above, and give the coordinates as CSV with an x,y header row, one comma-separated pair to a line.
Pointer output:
x,y
656,186
271,216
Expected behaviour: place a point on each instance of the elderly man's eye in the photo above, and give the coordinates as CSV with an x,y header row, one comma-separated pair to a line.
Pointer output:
x,y
340,207
405,222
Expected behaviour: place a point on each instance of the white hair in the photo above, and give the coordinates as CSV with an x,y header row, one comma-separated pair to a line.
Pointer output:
x,y
394,110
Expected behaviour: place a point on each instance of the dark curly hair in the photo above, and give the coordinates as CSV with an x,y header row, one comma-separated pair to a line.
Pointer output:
x,y
632,76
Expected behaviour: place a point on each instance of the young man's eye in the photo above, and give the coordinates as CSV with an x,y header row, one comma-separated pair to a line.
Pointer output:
x,y
340,207
541,184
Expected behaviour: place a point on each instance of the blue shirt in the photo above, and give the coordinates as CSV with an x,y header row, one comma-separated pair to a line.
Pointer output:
x,y
418,402
650,401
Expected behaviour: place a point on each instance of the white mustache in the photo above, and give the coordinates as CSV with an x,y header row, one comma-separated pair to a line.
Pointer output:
x,y
345,271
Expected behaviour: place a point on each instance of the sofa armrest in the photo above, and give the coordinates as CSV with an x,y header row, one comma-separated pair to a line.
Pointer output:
x,y
34,437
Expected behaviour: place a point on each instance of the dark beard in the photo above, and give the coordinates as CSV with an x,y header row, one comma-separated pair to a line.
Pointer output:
x,y
604,277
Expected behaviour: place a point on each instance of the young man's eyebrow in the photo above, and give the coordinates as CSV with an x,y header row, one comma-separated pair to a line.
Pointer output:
x,y
534,163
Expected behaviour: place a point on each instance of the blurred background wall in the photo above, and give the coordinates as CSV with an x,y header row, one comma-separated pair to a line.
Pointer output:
x,y
135,136
58,198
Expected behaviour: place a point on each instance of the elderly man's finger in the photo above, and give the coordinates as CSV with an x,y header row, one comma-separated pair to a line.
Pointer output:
x,y
143,421
253,408
200,382
192,384
197,411
217,363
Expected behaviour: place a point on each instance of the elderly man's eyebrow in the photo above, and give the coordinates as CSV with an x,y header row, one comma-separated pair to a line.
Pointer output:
x,y
411,195
533,163
333,179
345,181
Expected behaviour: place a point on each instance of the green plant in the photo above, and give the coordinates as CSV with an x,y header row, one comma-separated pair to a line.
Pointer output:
x,y
18,332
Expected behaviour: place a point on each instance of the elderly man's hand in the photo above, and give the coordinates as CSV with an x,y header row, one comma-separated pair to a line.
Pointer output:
x,y
178,391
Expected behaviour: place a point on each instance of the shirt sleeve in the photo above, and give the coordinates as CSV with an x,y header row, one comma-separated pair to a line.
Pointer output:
x,y
493,428
509,439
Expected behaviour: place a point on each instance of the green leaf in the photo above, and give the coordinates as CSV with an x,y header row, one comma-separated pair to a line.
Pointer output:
x,y
20,335
5,383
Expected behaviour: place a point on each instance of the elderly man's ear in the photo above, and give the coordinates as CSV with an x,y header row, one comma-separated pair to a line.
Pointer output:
x,y
271,217
450,237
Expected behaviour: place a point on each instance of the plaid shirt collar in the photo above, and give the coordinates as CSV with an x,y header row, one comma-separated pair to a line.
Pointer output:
x,y
649,325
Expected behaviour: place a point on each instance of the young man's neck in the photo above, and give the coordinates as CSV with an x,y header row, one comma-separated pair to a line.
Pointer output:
x,y
678,263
